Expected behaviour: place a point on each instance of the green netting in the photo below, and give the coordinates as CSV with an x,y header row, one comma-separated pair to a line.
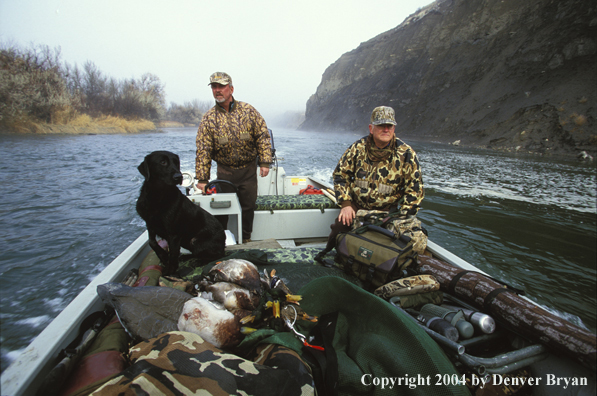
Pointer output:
x,y
283,202
375,340
374,343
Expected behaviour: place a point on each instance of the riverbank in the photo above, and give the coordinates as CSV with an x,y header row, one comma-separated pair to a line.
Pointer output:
x,y
83,125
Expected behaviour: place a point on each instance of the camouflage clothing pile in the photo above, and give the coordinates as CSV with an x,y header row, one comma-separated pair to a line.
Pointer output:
x,y
234,139
417,284
399,225
394,182
182,363
410,226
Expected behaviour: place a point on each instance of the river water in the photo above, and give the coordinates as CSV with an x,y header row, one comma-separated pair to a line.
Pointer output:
x,y
67,209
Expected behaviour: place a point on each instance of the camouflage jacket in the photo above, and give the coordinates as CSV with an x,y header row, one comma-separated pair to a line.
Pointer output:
x,y
182,363
234,139
395,182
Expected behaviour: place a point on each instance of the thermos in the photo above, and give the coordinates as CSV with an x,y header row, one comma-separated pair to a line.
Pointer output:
x,y
455,317
481,321
437,324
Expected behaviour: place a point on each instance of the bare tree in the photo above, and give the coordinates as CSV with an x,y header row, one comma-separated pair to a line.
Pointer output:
x,y
35,84
94,89
189,113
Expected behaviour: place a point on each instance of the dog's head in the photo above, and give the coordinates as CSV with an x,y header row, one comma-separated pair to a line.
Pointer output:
x,y
161,167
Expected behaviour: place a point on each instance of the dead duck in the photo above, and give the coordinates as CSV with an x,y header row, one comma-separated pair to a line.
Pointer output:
x,y
241,272
215,325
231,295
276,304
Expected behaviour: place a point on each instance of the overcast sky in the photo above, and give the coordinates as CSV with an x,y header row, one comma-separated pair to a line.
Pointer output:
x,y
275,51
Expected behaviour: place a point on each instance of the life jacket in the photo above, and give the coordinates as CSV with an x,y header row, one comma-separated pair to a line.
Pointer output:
x,y
211,190
310,190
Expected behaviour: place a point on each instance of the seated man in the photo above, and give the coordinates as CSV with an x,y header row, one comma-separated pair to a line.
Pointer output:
x,y
377,172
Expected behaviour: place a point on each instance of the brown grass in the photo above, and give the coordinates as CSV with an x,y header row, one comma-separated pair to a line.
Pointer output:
x,y
63,115
129,126
170,124
580,120
81,121
82,124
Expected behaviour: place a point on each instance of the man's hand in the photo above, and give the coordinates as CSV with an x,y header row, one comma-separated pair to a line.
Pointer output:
x,y
201,186
263,171
346,215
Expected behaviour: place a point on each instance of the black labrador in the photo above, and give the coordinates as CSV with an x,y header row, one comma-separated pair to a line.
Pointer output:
x,y
172,216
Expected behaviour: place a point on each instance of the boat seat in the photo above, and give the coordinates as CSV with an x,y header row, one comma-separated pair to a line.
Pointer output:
x,y
286,202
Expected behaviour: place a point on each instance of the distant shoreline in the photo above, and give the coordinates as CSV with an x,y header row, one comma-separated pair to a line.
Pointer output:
x,y
85,125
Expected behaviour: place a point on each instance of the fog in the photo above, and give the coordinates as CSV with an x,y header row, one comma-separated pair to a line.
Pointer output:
x,y
275,51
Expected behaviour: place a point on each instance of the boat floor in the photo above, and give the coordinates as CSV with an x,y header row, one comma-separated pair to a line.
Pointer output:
x,y
279,244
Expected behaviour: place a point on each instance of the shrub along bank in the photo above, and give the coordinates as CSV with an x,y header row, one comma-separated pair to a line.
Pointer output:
x,y
41,94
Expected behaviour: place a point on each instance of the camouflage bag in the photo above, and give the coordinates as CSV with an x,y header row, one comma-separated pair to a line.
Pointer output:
x,y
399,225
374,254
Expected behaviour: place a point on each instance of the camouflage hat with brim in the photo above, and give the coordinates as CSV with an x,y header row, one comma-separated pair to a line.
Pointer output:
x,y
383,115
220,78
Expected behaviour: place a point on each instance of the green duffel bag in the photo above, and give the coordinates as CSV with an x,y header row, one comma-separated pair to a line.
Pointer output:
x,y
374,254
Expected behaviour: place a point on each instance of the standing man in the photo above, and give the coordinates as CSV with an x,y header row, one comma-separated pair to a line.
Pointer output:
x,y
377,172
235,135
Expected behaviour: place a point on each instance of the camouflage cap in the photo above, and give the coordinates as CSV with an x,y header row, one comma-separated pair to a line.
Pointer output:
x,y
383,115
220,78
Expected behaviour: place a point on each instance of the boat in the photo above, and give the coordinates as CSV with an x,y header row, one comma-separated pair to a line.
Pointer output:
x,y
561,363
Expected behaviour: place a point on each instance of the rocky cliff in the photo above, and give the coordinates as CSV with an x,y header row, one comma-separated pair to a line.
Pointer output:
x,y
502,74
